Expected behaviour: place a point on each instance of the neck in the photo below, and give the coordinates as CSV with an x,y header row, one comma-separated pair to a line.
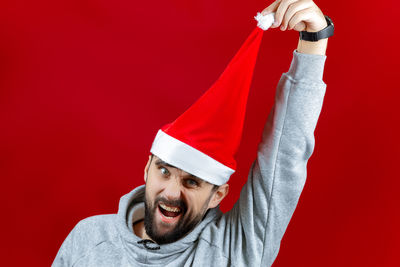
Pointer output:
x,y
139,230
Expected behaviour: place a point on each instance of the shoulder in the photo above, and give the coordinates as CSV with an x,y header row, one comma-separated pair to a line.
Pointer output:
x,y
85,236
97,221
96,229
90,232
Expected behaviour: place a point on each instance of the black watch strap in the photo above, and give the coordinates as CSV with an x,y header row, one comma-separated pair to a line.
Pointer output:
x,y
322,34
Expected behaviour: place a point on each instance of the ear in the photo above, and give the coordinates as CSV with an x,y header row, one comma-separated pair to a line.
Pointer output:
x,y
218,196
146,168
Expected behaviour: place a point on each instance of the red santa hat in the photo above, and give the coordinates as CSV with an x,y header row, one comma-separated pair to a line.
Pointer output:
x,y
204,139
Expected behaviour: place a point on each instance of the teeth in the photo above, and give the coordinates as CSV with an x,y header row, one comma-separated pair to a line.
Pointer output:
x,y
172,209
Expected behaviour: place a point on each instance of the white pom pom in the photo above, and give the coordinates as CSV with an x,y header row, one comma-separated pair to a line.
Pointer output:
x,y
264,22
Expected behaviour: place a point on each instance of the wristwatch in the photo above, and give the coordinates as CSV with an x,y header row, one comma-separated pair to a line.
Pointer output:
x,y
322,34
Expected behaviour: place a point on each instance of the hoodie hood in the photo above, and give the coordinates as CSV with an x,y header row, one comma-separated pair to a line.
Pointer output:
x,y
130,204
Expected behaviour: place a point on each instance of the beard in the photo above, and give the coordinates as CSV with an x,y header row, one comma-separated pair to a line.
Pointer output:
x,y
186,222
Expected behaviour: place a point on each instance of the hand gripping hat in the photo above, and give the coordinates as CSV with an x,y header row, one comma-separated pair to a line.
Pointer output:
x,y
205,138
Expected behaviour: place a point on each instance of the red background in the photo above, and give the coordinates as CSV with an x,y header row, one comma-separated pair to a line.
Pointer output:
x,y
85,85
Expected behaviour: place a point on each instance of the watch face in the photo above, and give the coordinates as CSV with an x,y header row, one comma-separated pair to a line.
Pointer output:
x,y
330,22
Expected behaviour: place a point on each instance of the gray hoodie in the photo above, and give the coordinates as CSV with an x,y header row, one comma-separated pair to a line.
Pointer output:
x,y
251,232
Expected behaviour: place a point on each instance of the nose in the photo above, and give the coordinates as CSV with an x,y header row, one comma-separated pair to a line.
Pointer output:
x,y
172,190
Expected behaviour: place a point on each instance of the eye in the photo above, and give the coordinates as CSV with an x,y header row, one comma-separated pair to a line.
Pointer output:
x,y
191,182
164,171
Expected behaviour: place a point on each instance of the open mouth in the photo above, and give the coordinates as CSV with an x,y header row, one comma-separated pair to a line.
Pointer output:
x,y
169,211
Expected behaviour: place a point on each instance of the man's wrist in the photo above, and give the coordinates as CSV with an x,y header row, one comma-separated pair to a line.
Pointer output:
x,y
315,48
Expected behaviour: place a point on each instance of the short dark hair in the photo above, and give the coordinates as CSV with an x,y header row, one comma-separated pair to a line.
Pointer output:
x,y
215,188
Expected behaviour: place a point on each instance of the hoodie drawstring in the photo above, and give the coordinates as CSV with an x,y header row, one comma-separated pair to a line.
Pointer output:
x,y
145,244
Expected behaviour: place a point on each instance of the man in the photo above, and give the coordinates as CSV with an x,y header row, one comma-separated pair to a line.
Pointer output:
x,y
174,219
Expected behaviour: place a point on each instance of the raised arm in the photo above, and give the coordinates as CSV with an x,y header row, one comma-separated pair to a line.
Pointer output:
x,y
259,219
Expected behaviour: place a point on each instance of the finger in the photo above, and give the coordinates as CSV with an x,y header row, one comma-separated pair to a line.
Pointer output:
x,y
301,26
271,8
293,9
281,10
298,20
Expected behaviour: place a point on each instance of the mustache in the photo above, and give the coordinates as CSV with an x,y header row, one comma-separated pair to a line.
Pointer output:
x,y
176,203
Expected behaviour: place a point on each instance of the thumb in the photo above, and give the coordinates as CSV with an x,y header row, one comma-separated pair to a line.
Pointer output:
x,y
271,8
301,26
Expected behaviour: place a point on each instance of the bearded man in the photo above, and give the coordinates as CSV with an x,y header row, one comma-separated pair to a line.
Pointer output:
x,y
174,219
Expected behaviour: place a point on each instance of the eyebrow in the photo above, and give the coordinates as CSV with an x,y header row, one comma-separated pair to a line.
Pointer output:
x,y
160,162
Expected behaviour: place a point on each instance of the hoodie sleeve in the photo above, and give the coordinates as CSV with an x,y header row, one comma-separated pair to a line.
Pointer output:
x,y
259,219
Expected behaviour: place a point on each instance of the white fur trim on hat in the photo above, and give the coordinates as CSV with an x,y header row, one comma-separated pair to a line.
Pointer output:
x,y
264,22
189,159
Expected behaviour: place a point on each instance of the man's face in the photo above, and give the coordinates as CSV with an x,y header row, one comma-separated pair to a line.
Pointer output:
x,y
175,202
